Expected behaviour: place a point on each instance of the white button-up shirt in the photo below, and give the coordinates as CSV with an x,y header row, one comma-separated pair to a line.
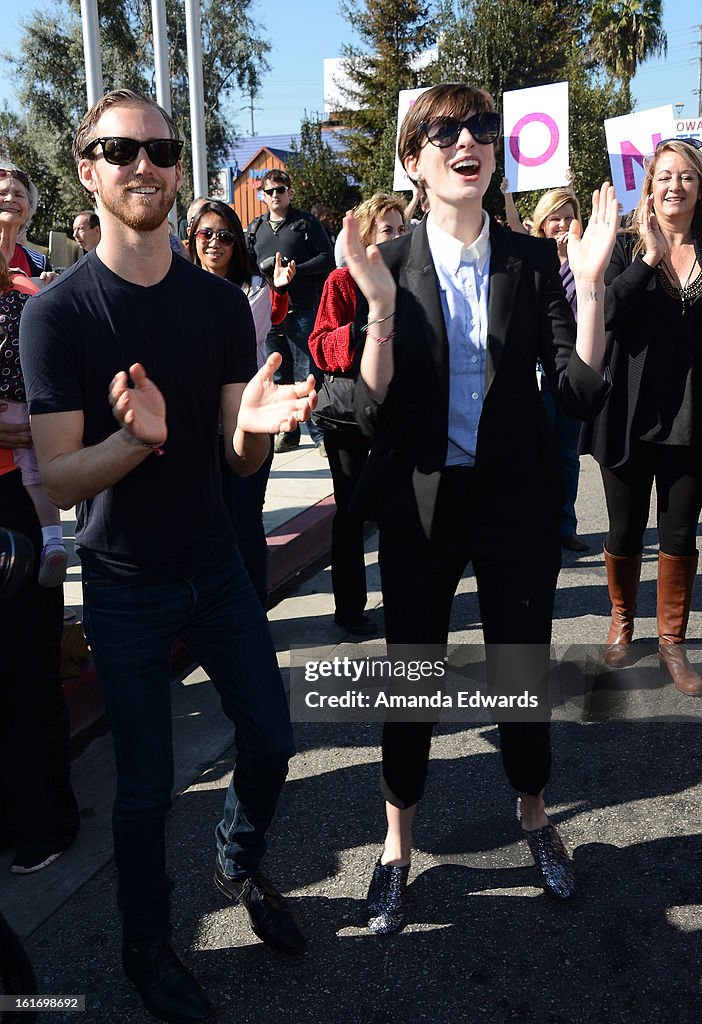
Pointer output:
x,y
463,273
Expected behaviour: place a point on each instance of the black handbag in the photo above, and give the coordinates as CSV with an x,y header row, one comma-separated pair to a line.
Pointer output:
x,y
334,409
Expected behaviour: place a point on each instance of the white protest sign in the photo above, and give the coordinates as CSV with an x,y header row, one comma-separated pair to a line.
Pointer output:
x,y
406,98
629,141
536,136
688,127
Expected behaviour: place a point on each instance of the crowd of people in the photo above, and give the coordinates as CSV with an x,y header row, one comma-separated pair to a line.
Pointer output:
x,y
445,371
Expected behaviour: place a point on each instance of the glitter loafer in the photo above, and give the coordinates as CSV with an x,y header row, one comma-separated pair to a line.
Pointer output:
x,y
552,861
386,898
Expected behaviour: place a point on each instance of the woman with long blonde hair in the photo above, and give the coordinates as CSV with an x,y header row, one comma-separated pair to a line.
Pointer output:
x,y
650,428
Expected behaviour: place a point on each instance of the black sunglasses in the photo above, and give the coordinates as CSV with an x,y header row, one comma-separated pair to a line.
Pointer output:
x,y
20,176
223,236
443,132
695,143
278,190
122,152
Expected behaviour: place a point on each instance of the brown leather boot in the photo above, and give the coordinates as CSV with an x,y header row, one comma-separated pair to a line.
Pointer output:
x,y
623,575
676,582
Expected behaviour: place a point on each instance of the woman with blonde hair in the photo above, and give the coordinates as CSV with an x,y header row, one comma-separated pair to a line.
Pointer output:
x,y
650,428
332,344
554,213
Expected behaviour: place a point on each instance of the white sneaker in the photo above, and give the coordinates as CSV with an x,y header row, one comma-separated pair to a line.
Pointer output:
x,y
52,565
28,869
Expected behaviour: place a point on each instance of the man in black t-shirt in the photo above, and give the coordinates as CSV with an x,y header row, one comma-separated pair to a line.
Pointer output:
x,y
298,236
130,360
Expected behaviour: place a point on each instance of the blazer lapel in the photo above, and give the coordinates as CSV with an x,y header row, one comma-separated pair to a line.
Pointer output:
x,y
420,280
505,271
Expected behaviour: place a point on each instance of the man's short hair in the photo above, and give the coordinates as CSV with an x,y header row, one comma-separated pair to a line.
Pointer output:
x,y
93,219
276,177
116,98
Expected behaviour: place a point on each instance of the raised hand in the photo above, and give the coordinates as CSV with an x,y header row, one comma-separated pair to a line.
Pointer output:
x,y
657,248
283,275
140,409
589,252
368,268
270,408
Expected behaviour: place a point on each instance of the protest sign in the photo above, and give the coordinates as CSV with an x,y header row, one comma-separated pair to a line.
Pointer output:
x,y
536,136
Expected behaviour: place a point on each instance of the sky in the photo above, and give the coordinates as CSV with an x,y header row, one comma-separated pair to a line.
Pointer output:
x,y
301,41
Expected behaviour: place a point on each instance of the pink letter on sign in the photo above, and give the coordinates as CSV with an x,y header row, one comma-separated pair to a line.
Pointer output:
x,y
631,153
534,161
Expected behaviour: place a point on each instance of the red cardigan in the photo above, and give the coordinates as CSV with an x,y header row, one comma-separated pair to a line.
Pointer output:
x,y
330,340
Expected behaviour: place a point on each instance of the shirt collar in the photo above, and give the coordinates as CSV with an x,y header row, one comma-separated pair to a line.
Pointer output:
x,y
451,252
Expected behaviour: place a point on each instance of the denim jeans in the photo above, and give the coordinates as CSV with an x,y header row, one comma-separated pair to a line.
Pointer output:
x,y
566,431
290,339
130,627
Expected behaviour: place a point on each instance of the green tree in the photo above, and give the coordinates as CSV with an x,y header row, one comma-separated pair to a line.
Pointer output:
x,y
625,33
504,45
51,94
394,34
319,174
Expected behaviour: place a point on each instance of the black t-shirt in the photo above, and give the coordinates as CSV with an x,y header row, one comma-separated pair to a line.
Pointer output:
x,y
194,333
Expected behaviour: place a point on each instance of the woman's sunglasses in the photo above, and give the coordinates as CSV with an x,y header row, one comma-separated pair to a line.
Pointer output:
x,y
695,143
444,132
122,152
223,236
20,176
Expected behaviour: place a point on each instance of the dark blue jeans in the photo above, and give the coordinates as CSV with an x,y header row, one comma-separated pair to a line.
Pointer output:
x,y
130,627
290,339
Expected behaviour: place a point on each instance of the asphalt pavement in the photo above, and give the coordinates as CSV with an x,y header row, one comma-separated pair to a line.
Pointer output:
x,y
482,942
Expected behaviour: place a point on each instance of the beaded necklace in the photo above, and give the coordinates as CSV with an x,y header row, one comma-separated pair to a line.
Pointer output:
x,y
685,294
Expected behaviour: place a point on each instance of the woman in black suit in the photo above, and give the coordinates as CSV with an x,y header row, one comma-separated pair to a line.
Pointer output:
x,y
463,465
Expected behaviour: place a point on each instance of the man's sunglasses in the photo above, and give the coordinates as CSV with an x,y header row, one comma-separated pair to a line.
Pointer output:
x,y
20,176
443,132
122,152
277,190
223,236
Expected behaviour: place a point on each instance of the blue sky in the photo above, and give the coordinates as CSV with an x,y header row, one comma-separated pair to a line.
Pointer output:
x,y
302,38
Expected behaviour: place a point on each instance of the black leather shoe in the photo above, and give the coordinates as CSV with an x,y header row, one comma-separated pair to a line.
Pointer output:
x,y
167,988
572,542
271,918
359,625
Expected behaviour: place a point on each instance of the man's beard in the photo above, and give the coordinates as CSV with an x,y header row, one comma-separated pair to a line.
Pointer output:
x,y
146,213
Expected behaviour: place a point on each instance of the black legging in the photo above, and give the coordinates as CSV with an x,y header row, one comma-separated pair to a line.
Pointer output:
x,y
677,471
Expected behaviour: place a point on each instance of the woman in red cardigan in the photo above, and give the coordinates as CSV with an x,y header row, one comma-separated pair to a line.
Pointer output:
x,y
332,345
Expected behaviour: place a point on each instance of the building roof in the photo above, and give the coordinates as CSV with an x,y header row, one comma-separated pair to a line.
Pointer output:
x,y
243,150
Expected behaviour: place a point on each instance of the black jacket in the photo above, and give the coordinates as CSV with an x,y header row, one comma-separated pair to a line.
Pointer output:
x,y
302,238
529,321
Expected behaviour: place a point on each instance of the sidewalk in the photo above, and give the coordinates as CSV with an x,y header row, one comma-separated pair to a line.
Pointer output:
x,y
297,519
482,942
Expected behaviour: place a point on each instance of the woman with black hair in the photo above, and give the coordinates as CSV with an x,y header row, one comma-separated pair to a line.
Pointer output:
x,y
217,244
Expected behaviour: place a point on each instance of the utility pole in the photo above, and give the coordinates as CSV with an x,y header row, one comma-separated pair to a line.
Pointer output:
x,y
91,50
251,109
699,76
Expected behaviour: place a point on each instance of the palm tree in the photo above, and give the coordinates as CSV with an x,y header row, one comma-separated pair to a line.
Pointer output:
x,y
625,33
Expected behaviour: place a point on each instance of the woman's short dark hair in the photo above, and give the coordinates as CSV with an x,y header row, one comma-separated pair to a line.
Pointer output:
x,y
240,269
452,99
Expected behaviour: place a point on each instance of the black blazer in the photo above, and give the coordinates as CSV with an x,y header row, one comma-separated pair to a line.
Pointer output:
x,y
529,320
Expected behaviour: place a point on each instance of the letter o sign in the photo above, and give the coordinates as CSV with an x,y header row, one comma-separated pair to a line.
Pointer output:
x,y
554,139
